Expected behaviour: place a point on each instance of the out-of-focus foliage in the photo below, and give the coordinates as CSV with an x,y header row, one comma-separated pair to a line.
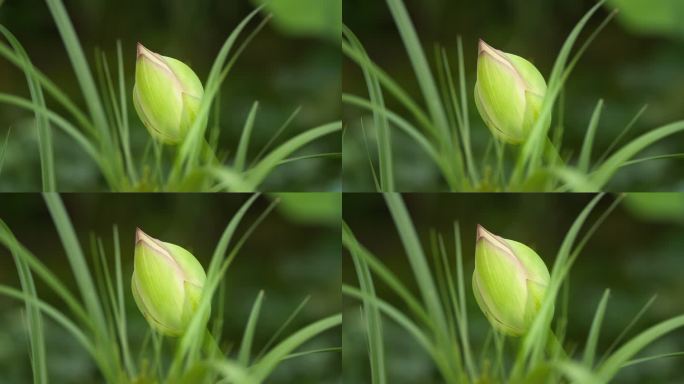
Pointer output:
x,y
657,206
307,17
312,207
287,259
634,256
657,17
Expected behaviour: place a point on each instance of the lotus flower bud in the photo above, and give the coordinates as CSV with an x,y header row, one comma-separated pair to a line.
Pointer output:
x,y
166,95
509,282
508,93
167,284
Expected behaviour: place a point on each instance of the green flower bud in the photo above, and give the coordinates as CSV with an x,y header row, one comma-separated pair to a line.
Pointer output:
x,y
167,284
508,93
509,282
166,95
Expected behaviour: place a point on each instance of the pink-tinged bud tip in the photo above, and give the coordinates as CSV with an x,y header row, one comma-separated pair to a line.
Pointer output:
x,y
482,232
141,50
483,47
139,235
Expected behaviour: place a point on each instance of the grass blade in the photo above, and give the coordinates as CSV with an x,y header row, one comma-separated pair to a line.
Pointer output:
x,y
420,67
33,315
372,314
617,360
594,331
350,241
248,335
423,276
241,153
624,132
606,170
282,327
76,259
47,161
585,153
384,140
82,70
263,368
261,170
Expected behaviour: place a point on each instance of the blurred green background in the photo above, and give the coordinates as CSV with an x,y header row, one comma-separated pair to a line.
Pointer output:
x,y
637,252
294,62
637,60
291,255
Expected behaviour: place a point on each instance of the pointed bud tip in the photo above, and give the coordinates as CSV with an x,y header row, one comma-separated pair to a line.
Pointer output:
x,y
483,47
482,232
140,235
140,49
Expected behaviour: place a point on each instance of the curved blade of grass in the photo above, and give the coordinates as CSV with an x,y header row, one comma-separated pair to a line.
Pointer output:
x,y
282,327
651,158
262,169
8,239
121,304
248,335
312,352
241,154
400,123
124,129
465,127
77,260
460,307
33,315
574,180
392,87
47,161
619,358
376,183
232,371
629,326
55,314
191,341
421,68
624,131
605,171
309,157
577,373
231,180
585,153
416,257
372,314
264,367
535,341
67,127
594,331
273,137
423,276
651,358
532,150
384,141
51,89
389,278
408,325
82,71
190,149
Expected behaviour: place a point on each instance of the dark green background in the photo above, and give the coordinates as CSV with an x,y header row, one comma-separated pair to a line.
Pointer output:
x,y
636,253
289,256
282,69
627,67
